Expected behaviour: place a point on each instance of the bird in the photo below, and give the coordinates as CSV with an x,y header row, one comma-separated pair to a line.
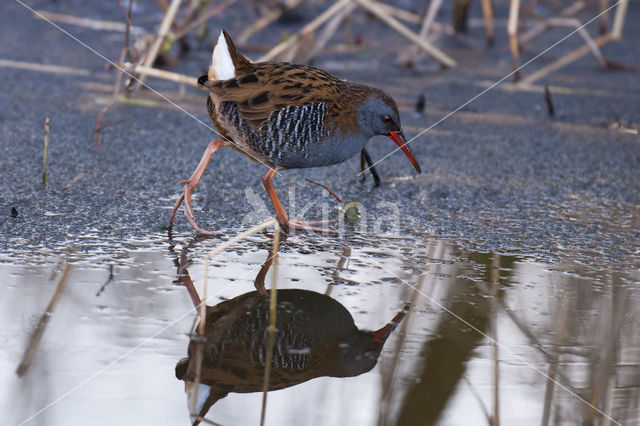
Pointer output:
x,y
288,116
316,336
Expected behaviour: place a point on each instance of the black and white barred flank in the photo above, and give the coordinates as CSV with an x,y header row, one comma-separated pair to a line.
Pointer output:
x,y
287,130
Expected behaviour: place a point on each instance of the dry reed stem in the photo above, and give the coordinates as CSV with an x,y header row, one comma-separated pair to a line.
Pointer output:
x,y
203,19
329,30
52,69
618,20
94,24
427,22
273,301
265,21
571,23
487,14
165,26
512,30
567,59
541,26
405,15
38,332
127,33
310,27
495,283
561,336
46,150
144,70
401,29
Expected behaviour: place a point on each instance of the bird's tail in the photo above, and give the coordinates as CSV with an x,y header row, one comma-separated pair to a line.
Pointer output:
x,y
226,61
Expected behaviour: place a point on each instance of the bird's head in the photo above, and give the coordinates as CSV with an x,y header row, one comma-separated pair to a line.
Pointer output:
x,y
378,115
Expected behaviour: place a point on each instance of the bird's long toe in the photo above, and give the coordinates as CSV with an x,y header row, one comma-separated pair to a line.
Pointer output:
x,y
188,212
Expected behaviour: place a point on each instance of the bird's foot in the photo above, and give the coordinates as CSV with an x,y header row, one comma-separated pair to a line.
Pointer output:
x,y
188,211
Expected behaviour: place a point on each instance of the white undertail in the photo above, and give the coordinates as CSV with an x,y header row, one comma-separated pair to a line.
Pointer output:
x,y
221,63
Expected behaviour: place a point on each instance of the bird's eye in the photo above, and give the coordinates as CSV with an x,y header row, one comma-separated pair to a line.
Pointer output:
x,y
386,119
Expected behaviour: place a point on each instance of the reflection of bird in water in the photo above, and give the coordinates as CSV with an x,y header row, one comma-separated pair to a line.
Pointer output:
x,y
316,337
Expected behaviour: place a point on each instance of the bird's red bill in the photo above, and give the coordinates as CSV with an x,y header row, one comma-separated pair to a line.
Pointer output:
x,y
399,140
382,334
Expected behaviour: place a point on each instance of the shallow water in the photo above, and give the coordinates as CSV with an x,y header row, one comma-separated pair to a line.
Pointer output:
x,y
565,334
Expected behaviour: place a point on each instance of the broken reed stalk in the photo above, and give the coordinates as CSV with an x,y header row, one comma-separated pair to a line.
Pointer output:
x,y
401,29
310,27
46,150
165,26
271,340
38,332
202,308
567,59
327,188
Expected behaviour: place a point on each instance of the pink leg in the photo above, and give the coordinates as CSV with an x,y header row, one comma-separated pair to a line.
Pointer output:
x,y
281,215
190,186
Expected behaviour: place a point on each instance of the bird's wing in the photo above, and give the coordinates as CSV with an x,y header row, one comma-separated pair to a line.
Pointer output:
x,y
273,86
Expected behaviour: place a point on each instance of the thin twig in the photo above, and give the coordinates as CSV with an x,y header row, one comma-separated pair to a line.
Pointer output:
x,y
38,332
46,151
327,188
127,32
266,20
114,98
273,303
106,283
